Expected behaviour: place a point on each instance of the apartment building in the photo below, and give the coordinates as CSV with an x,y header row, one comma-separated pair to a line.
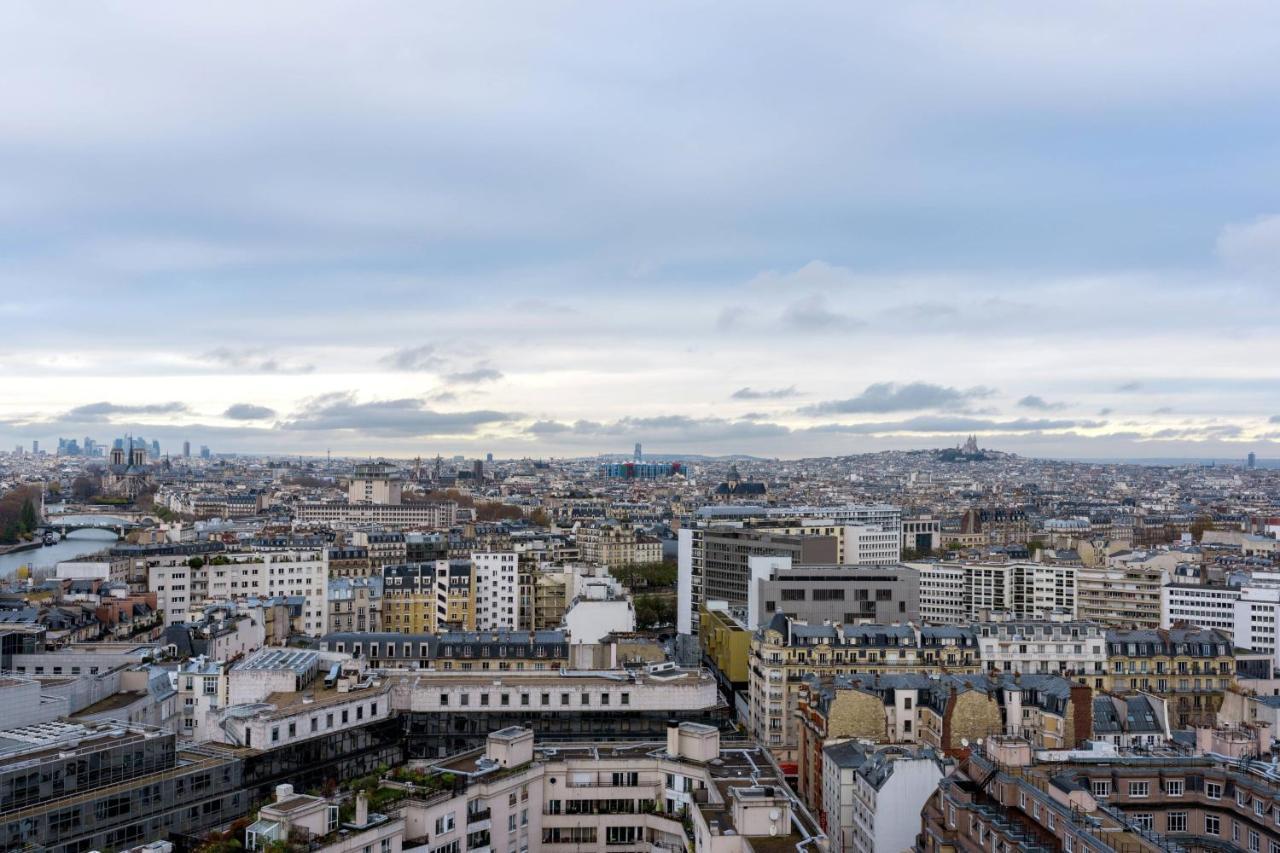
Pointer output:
x,y
1077,650
786,651
696,794
941,594
181,587
374,483
496,590
355,604
1019,590
1001,798
1191,668
616,544
872,796
1124,595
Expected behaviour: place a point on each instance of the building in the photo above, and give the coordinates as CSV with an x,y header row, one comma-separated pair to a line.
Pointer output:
x,y
872,796
1100,801
314,821
183,586
1019,590
375,483
713,564
1123,595
615,544
696,794
496,589
726,646
1203,605
440,515
843,594
108,786
941,593
1191,668
786,651
1076,650
383,547
355,604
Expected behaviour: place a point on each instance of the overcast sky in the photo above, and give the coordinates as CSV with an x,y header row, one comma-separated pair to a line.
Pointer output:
x,y
551,229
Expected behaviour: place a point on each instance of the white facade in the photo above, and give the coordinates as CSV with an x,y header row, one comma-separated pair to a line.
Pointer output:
x,y
180,589
497,590
941,594
385,515
1078,648
590,621
875,807
1206,606
871,545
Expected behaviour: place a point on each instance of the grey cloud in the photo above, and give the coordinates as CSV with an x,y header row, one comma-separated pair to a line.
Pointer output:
x,y
765,393
403,417
413,358
1104,412
667,428
248,412
929,423
474,377
1275,419
106,410
1130,386
255,359
729,318
1035,401
883,397
811,314
1163,410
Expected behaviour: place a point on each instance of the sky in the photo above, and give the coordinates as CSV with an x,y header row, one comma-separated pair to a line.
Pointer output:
x,y
554,229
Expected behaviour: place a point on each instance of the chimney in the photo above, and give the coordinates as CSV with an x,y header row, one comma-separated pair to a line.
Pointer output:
x,y
673,738
362,809
283,792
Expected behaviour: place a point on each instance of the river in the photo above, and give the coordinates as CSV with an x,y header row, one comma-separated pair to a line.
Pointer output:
x,y
77,544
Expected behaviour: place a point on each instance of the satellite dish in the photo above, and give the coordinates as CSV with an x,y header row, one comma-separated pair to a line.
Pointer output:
x,y
774,814
979,741
773,830
964,741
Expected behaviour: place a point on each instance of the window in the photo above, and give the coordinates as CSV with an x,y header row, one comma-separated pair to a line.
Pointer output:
x,y
1176,822
444,824
1143,821
1213,790
1212,825
1139,789
444,700
1100,787
1174,787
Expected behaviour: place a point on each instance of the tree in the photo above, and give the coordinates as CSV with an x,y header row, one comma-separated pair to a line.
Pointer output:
x,y
29,520
1199,526
83,488
653,611
195,563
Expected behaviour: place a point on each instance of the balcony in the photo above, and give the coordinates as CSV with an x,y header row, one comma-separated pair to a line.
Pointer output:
x,y
477,816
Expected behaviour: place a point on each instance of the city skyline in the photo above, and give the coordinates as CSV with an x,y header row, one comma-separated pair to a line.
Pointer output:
x,y
468,229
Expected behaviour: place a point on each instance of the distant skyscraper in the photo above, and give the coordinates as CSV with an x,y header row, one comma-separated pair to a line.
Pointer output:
x,y
204,452
1253,460
477,470
488,457
186,449
155,449
639,452
35,446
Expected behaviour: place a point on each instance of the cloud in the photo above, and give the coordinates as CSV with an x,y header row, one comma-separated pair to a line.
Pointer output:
x,y
474,377
731,317
252,359
1035,401
1163,410
765,393
883,397
1129,386
248,412
668,429
402,417
1103,412
811,314
942,424
413,358
91,411
1275,419
1252,246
